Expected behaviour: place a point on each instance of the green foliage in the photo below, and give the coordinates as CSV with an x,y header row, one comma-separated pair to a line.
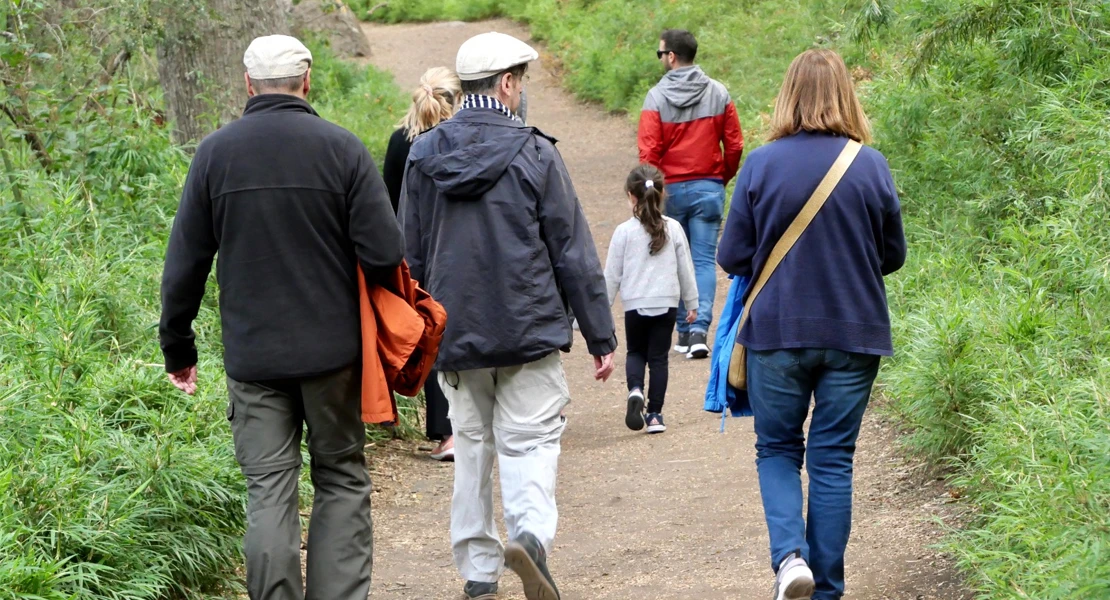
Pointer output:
x,y
362,99
608,46
998,131
995,115
113,485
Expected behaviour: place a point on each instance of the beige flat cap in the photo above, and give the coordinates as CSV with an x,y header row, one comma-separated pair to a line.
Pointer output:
x,y
488,54
276,57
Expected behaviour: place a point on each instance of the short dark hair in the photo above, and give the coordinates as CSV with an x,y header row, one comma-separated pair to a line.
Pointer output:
x,y
279,85
479,86
682,43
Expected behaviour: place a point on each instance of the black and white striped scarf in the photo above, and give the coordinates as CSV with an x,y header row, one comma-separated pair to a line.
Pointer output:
x,y
482,101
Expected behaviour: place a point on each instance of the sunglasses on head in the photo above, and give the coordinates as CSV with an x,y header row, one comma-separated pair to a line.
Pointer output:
x,y
661,53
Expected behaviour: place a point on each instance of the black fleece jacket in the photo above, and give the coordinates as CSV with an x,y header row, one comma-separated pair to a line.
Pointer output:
x,y
290,203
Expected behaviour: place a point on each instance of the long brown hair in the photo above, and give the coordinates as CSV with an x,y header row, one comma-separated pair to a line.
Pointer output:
x,y
818,95
437,98
645,183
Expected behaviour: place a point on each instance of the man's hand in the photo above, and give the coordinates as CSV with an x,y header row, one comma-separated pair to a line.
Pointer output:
x,y
604,366
186,380
691,316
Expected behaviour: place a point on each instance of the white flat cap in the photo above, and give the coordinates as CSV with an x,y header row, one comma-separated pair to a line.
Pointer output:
x,y
488,54
275,57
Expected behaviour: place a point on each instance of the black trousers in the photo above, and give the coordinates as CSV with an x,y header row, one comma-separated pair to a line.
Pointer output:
x,y
437,424
649,345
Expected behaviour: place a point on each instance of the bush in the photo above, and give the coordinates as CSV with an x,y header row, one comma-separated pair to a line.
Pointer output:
x,y
112,484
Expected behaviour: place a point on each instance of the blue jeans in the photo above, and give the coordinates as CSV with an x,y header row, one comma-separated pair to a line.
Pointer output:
x,y
698,205
780,385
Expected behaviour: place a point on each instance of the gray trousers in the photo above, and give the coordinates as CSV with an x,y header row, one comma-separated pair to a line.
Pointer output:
x,y
266,421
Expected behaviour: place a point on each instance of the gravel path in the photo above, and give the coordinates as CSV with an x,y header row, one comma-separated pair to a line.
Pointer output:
x,y
674,516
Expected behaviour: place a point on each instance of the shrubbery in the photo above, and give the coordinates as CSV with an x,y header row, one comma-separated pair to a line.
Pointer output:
x,y
113,485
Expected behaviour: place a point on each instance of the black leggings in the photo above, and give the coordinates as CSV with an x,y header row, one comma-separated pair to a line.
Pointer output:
x,y
649,343
438,425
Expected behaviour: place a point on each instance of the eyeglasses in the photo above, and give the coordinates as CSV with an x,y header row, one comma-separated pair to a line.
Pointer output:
x,y
662,53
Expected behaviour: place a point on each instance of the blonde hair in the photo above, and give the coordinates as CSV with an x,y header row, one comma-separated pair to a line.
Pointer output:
x,y
818,95
436,99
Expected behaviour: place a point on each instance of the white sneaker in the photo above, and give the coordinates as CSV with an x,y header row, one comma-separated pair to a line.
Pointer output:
x,y
795,580
445,451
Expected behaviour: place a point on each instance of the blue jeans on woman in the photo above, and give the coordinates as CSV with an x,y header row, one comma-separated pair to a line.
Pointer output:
x,y
780,386
698,206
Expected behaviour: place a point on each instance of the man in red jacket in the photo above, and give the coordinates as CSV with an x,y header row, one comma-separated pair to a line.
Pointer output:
x,y
690,131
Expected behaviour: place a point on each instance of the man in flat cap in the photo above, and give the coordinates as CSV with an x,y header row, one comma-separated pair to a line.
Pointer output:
x,y
494,231
289,204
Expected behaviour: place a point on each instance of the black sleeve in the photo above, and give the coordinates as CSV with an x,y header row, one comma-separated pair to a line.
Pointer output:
x,y
373,224
393,167
573,255
192,247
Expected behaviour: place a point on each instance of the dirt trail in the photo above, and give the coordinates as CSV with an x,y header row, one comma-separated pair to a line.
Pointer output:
x,y
674,516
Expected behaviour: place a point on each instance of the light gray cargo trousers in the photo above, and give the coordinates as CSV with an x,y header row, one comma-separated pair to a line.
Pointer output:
x,y
267,418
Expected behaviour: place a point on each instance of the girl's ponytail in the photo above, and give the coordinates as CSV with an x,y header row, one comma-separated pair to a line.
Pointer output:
x,y
645,183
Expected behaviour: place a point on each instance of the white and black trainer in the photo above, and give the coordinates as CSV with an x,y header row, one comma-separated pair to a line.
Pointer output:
x,y
698,346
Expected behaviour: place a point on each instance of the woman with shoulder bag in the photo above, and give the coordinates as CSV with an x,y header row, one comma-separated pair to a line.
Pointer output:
x,y
815,222
436,100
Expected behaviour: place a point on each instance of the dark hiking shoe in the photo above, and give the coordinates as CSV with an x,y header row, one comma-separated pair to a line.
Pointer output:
x,y
527,558
634,418
478,590
794,580
683,345
698,346
655,423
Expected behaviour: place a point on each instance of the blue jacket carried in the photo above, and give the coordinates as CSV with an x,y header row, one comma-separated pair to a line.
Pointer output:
x,y
719,394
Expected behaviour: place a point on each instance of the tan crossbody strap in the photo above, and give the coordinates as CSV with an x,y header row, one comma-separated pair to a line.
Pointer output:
x,y
804,218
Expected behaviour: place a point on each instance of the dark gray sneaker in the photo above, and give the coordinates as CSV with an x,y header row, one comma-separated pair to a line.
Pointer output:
x,y
527,558
683,345
698,346
479,590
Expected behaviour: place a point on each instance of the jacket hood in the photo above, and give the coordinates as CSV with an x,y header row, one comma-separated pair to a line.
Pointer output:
x,y
684,86
473,169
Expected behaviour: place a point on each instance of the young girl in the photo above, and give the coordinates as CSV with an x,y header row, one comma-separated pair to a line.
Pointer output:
x,y
649,262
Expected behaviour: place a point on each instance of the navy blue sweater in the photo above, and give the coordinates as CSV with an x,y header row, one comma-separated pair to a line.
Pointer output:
x,y
828,292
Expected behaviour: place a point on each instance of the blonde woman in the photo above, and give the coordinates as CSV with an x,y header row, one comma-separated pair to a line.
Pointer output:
x,y
820,324
437,98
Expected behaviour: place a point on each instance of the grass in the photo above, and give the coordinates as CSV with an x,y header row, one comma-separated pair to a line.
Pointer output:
x,y
994,116
114,486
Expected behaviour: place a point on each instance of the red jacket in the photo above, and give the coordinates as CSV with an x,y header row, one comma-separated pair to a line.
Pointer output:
x,y
402,327
686,121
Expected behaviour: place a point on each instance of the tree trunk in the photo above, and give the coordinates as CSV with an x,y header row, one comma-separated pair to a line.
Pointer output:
x,y
200,61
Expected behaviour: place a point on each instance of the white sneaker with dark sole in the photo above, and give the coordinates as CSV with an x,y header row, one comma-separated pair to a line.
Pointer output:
x,y
795,579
